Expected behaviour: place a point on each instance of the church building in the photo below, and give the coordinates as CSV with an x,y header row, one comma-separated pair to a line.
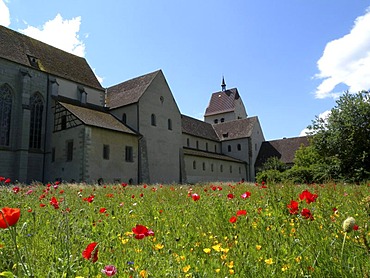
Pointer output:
x,y
58,122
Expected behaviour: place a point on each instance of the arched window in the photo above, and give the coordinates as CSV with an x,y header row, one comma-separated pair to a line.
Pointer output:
x,y
222,120
5,114
36,108
187,142
204,166
215,121
229,148
153,120
124,118
239,147
194,165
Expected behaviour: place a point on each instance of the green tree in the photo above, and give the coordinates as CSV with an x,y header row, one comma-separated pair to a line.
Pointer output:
x,y
344,137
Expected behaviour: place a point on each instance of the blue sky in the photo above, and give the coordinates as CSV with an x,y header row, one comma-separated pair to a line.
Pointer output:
x,y
289,59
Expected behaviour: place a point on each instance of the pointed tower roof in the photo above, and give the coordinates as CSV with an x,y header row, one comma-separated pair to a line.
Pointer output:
x,y
223,101
223,85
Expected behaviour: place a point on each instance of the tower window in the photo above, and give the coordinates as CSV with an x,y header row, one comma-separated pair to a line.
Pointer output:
x,y
153,120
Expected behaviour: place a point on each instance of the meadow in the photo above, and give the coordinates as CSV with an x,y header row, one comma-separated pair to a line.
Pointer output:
x,y
202,230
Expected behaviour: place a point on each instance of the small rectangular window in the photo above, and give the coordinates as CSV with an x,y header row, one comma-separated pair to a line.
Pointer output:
x,y
63,122
129,156
53,155
69,150
106,152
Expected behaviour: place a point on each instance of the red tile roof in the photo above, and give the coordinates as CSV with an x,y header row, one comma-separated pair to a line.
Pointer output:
x,y
221,102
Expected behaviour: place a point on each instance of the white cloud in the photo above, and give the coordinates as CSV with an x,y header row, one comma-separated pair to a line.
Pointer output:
x,y
100,79
59,33
4,14
346,61
324,115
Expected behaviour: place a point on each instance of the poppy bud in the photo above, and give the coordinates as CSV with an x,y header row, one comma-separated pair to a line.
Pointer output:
x,y
348,224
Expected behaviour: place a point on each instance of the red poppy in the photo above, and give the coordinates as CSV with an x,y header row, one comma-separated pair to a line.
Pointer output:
x,y
293,207
355,227
232,219
306,213
2,179
195,197
89,199
91,252
230,196
7,180
42,205
308,196
16,189
9,217
141,231
54,202
102,210
245,195
241,212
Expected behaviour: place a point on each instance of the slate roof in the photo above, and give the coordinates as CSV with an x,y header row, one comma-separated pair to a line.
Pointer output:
x,y
188,151
130,91
221,102
235,129
284,149
198,128
21,49
97,118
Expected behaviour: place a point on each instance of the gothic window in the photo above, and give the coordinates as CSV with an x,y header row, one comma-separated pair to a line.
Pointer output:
x,y
36,107
5,114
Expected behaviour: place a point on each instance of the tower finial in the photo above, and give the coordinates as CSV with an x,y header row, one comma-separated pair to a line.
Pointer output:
x,y
223,85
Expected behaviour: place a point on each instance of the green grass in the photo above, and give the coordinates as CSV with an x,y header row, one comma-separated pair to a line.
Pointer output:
x,y
192,238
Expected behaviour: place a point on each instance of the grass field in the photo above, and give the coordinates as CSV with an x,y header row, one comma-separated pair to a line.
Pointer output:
x,y
205,230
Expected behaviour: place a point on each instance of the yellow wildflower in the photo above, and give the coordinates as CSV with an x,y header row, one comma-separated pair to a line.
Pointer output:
x,y
186,268
217,247
207,250
217,270
269,261
285,267
158,246
230,264
143,273
298,259
231,271
258,247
